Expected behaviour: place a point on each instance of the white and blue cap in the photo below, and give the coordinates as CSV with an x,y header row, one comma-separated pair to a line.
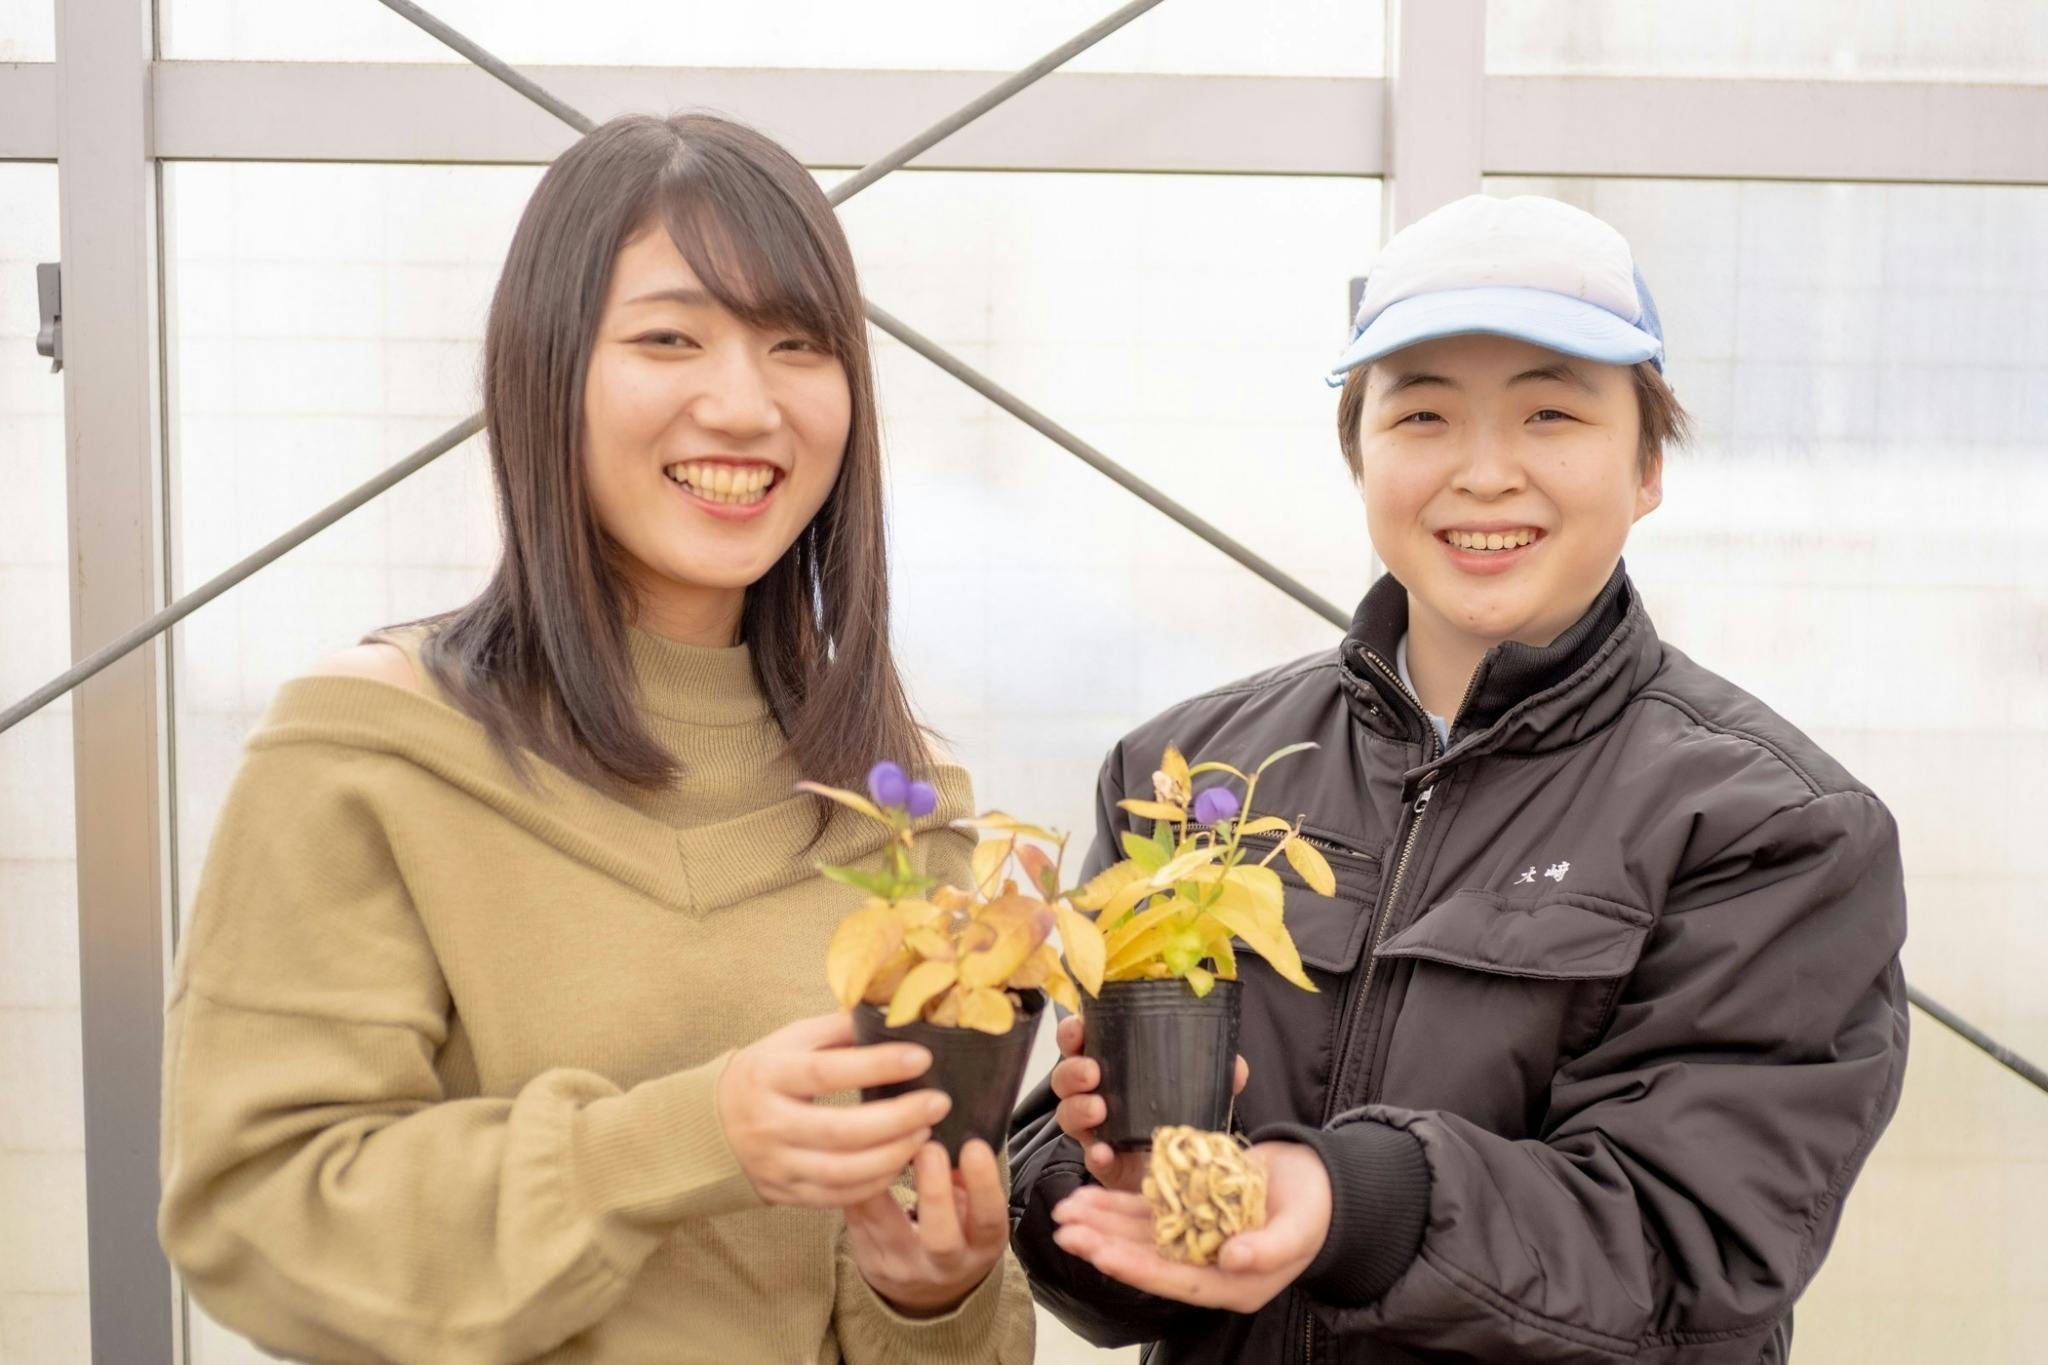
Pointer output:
x,y
1528,267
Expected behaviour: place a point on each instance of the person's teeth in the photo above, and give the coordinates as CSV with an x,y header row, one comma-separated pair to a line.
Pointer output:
x,y
1491,540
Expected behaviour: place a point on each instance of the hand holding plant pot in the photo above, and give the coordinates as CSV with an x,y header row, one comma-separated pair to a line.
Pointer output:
x,y
963,973
1163,1029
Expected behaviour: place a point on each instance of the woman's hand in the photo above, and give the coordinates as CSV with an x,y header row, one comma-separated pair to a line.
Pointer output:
x,y
823,1156
927,1266
1081,1110
1112,1231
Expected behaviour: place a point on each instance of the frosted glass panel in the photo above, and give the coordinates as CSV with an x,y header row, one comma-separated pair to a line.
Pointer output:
x,y
1318,37
2002,41
43,1307
1870,370
28,31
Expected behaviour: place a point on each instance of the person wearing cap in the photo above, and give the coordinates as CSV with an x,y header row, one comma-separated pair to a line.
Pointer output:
x,y
1609,1009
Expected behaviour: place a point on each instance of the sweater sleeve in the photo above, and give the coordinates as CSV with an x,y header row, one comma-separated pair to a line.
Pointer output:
x,y
321,1193
994,1324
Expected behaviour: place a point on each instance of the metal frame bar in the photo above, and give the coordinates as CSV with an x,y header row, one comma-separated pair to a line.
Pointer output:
x,y
1436,62
1654,127
108,205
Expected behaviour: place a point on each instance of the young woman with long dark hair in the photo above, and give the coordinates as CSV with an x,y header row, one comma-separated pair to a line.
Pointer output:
x,y
500,1017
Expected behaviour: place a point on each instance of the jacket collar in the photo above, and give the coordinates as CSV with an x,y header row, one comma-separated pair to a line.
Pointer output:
x,y
1523,698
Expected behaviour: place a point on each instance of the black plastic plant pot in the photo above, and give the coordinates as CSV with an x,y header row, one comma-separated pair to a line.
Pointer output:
x,y
1167,1055
981,1071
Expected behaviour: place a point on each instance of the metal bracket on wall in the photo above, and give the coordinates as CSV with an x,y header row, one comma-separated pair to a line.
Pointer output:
x,y
50,311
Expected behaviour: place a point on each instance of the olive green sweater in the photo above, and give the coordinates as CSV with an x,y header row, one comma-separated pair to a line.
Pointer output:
x,y
442,1049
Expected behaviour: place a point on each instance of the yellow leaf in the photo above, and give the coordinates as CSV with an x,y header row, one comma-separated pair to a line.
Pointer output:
x,y
1153,810
987,1010
1175,767
1225,957
989,857
1214,767
1236,909
1140,952
1200,981
930,944
1312,867
1264,886
1061,989
945,1011
1108,882
1265,824
1019,925
1179,868
885,981
951,899
1038,869
860,945
1037,969
918,914
1087,951
924,981
1159,912
851,800
999,823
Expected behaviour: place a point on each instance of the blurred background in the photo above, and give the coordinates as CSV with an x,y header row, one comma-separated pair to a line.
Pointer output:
x,y
1842,206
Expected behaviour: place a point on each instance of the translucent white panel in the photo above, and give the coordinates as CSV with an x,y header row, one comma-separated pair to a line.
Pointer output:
x,y
43,1312
1869,367
28,31
327,318
1971,40
1317,38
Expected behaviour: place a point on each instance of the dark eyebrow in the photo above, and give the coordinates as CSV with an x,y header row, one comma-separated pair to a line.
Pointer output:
x,y
692,298
1560,373
1414,379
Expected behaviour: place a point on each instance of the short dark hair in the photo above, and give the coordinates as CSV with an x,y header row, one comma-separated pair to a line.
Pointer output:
x,y
1664,421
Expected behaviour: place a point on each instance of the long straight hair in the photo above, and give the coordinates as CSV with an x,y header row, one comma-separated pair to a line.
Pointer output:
x,y
540,656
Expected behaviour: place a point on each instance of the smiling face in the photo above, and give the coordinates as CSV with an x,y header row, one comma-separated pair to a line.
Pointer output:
x,y
1500,483
709,443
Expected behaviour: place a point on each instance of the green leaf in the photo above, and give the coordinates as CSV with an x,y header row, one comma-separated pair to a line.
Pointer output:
x,y
874,883
1162,835
1144,852
1279,754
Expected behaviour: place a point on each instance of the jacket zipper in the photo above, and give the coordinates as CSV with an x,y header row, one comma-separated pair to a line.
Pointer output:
x,y
1382,918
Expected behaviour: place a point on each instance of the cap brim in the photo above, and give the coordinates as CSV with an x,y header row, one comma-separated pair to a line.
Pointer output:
x,y
1555,322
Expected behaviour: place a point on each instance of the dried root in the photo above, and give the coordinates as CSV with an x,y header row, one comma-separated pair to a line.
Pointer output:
x,y
1203,1188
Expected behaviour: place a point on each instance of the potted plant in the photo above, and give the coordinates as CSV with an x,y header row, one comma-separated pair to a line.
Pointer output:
x,y
1164,1026
963,972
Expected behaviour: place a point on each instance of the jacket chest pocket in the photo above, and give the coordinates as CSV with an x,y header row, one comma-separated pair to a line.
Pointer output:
x,y
1289,1035
1500,994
